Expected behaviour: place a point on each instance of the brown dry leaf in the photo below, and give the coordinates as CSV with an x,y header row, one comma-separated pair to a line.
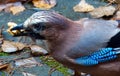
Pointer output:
x,y
37,50
17,8
117,1
8,47
9,1
44,4
9,69
111,1
19,45
6,67
29,62
3,66
114,1
117,16
5,7
27,74
6,1
103,11
83,7
2,7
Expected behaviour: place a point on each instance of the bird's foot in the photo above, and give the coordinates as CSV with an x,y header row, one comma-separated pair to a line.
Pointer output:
x,y
80,74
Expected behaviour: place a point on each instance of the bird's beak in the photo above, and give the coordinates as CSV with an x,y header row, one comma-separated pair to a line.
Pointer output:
x,y
18,27
20,30
26,32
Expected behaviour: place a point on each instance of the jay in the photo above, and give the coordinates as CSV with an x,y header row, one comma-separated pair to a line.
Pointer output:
x,y
86,45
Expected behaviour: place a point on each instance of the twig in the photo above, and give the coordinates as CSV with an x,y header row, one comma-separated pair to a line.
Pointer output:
x,y
110,3
5,61
12,72
1,29
3,66
53,69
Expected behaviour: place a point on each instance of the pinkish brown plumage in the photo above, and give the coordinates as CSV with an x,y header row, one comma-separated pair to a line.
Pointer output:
x,y
68,40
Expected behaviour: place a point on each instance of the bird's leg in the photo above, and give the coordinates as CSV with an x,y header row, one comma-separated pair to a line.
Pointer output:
x,y
85,74
76,73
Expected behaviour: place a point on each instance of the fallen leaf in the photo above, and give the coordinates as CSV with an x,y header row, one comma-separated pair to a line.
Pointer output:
x,y
17,8
118,15
3,66
2,7
111,1
19,45
44,4
5,7
8,47
117,1
9,1
27,74
37,50
30,62
83,7
114,1
103,11
9,69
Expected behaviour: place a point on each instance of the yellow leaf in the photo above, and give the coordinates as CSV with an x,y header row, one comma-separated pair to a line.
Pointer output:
x,y
17,9
44,4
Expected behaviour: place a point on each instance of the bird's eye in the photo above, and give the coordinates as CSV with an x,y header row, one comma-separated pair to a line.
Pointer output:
x,y
36,26
39,27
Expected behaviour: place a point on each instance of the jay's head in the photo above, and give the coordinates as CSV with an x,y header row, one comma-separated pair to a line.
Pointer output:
x,y
43,24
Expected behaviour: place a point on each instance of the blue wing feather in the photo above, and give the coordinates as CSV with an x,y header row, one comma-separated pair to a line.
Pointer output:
x,y
103,55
